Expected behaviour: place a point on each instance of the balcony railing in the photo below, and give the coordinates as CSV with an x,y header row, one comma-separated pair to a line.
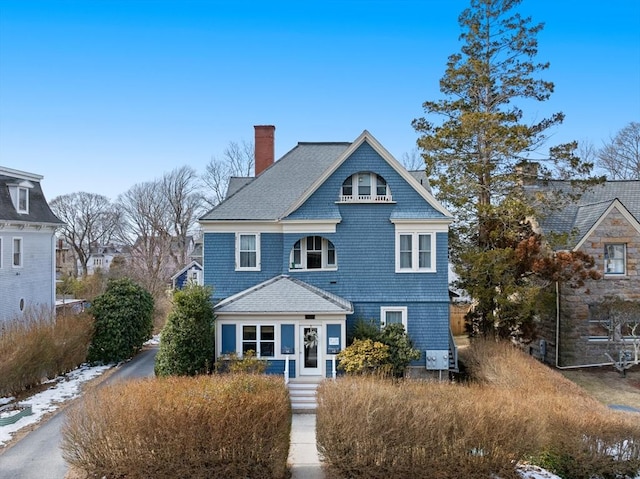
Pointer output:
x,y
366,199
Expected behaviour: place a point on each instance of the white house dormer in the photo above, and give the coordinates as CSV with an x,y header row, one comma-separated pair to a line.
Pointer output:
x,y
19,193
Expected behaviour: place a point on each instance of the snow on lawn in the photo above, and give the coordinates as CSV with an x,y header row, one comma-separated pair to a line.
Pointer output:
x,y
62,388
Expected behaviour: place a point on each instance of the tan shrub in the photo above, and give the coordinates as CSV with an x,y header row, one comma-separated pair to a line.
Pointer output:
x,y
233,426
38,346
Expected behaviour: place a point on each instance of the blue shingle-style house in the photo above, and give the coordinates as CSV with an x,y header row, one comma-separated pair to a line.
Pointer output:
x,y
329,234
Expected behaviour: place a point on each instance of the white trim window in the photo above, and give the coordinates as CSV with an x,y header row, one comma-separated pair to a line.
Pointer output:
x,y
313,252
247,251
23,200
17,253
393,314
415,252
260,338
97,262
365,187
615,259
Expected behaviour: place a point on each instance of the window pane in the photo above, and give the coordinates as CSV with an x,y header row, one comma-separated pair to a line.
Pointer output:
x,y
347,187
247,260
381,187
364,184
267,349
249,333
424,251
249,346
405,251
393,317
247,243
331,254
22,199
17,246
314,260
267,333
614,259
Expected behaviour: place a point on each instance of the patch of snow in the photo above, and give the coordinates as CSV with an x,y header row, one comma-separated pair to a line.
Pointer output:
x,y
153,341
63,388
528,471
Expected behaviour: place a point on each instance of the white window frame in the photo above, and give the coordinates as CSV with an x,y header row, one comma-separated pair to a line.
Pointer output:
x,y
258,340
373,197
393,309
238,252
20,253
608,259
415,252
302,266
22,190
97,262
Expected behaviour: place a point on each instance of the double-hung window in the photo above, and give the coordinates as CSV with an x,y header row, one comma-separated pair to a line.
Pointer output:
x,y
615,259
313,252
17,252
415,252
260,339
393,314
247,252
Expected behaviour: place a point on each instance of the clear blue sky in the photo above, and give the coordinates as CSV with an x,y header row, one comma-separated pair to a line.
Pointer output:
x,y
98,95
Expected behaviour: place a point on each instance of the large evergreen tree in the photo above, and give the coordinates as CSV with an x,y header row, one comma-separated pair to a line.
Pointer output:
x,y
477,155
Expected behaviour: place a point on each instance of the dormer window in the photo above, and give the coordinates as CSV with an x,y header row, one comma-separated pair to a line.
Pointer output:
x,y
23,200
365,187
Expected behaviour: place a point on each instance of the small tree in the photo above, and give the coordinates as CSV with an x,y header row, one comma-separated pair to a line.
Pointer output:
x,y
124,321
401,351
186,345
621,319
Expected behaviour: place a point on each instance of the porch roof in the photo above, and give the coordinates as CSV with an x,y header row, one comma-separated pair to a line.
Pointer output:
x,y
283,294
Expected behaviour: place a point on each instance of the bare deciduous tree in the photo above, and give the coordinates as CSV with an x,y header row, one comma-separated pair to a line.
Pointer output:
x,y
237,160
89,219
620,157
159,217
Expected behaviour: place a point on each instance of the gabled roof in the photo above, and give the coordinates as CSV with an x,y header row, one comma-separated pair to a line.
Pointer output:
x,y
187,267
283,294
579,217
39,211
289,182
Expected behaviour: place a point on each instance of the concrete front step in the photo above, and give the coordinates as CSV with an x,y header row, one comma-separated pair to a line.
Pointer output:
x,y
303,396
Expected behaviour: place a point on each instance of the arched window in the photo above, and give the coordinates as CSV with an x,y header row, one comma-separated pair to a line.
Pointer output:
x,y
365,187
313,252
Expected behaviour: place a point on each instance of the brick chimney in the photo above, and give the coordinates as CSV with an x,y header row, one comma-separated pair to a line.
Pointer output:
x,y
264,147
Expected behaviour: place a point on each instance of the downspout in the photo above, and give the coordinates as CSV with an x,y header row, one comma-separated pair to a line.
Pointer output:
x,y
578,366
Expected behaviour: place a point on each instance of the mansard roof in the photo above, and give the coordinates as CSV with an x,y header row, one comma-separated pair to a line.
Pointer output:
x,y
39,211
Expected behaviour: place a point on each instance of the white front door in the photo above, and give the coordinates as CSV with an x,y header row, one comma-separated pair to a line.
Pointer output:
x,y
311,342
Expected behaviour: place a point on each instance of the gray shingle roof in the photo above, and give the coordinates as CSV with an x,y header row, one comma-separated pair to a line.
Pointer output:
x,y
280,185
39,211
580,216
283,294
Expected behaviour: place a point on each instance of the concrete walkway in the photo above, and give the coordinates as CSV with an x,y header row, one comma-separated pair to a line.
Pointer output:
x,y
303,453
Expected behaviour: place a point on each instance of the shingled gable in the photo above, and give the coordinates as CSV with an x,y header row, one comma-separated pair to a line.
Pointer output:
x,y
289,182
610,206
284,294
365,136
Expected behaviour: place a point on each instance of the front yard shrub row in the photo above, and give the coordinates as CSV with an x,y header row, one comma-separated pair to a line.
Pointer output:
x,y
518,410
38,346
229,426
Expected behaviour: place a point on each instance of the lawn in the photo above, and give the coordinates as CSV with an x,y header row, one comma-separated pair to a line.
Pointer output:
x,y
607,385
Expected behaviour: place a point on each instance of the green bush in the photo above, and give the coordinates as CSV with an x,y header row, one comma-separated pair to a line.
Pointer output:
x,y
187,342
401,351
124,321
233,427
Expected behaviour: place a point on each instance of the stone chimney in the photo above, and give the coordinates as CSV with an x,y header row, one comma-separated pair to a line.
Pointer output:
x,y
264,147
